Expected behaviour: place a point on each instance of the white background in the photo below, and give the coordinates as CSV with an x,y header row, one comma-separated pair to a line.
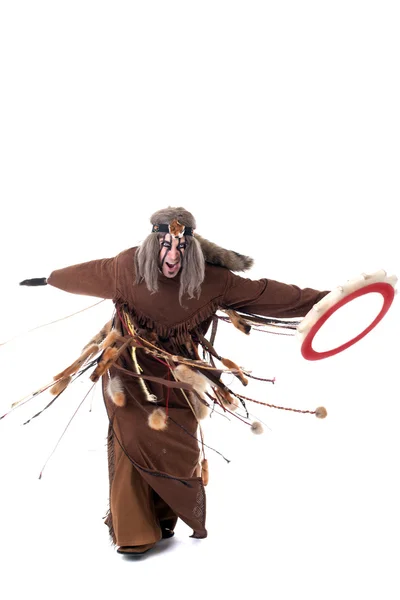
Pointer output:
x,y
277,124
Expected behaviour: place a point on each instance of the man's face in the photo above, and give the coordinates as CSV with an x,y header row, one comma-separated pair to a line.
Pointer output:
x,y
171,254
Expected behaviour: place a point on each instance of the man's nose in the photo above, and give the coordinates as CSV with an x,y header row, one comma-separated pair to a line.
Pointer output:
x,y
174,253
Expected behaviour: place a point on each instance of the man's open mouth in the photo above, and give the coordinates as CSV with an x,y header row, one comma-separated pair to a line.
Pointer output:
x,y
172,266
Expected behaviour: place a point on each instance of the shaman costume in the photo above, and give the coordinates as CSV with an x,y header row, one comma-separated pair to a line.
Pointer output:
x,y
154,410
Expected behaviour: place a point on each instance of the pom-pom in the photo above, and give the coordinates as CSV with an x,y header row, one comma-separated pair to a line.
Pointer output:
x,y
321,412
257,428
116,391
158,419
60,386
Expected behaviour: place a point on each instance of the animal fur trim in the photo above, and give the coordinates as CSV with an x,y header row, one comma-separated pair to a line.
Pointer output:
x,y
115,390
112,337
237,371
238,321
108,358
90,351
99,337
200,407
221,257
228,401
158,419
185,374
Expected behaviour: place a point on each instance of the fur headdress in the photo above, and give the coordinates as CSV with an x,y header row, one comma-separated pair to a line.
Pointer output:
x,y
213,253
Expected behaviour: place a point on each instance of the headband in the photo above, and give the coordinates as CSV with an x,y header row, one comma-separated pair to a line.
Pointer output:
x,y
175,228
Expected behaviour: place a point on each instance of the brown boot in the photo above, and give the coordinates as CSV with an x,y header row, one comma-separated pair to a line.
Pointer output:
x,y
167,533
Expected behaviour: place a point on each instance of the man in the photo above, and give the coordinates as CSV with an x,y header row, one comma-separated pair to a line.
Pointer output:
x,y
166,294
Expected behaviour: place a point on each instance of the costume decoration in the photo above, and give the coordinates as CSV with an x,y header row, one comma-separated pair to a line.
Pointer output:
x,y
307,329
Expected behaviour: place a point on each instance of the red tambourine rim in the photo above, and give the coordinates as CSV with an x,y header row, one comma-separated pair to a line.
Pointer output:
x,y
385,289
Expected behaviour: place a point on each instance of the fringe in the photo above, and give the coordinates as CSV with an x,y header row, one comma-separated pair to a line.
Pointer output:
x,y
179,331
111,472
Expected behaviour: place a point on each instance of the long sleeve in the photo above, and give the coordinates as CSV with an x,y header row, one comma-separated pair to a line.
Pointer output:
x,y
94,278
269,298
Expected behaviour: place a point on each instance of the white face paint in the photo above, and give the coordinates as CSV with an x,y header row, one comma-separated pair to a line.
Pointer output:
x,y
171,253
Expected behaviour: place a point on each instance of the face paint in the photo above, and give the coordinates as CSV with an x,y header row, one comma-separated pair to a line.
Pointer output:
x,y
171,255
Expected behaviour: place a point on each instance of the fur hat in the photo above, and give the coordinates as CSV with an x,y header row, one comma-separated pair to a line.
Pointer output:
x,y
213,253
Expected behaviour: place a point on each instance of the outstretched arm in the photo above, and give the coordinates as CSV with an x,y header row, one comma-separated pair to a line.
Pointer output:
x,y
269,298
94,278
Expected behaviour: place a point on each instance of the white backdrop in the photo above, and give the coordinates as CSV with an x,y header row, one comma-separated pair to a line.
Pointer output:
x,y
277,125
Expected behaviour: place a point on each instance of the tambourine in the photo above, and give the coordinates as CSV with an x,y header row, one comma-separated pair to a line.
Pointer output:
x,y
307,329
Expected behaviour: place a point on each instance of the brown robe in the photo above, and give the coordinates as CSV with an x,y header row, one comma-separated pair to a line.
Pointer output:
x,y
154,475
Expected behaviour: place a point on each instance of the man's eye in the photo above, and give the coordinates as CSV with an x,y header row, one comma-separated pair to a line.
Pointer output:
x,y
182,246
166,245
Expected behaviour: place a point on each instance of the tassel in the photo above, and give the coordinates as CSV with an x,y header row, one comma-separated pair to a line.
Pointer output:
x,y
185,374
99,337
111,338
72,369
204,471
109,356
116,391
229,364
238,321
60,386
158,419
226,399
